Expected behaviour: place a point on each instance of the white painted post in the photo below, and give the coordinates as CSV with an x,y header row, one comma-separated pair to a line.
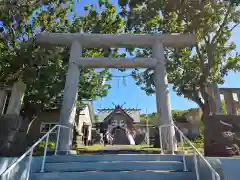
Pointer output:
x,y
163,99
148,140
3,98
160,140
89,133
229,102
80,127
16,98
68,111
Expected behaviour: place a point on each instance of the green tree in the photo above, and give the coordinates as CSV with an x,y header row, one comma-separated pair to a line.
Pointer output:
x,y
153,118
43,68
192,69
178,113
235,2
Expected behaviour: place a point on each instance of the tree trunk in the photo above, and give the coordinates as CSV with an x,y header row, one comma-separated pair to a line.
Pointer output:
x,y
206,113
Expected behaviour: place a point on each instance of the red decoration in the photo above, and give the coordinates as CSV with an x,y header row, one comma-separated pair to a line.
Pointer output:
x,y
118,109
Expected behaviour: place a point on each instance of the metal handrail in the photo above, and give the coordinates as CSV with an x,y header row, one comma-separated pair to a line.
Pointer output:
x,y
31,149
215,175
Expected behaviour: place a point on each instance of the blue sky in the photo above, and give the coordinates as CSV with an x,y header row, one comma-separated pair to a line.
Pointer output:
x,y
134,97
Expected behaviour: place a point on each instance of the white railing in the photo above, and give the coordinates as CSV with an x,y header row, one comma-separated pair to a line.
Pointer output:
x,y
215,175
30,151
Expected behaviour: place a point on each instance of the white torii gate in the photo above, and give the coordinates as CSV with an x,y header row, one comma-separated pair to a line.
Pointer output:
x,y
78,41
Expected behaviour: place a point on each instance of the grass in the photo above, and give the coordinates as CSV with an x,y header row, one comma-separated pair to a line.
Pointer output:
x,y
97,147
187,148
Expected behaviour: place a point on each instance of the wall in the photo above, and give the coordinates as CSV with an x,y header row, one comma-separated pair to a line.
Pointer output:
x,y
117,118
204,171
143,128
222,136
231,168
191,130
51,116
34,131
227,168
19,171
85,117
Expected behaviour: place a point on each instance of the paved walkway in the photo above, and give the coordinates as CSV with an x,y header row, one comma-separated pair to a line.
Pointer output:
x,y
117,147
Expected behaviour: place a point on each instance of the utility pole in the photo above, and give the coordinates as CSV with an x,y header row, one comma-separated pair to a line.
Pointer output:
x,y
148,143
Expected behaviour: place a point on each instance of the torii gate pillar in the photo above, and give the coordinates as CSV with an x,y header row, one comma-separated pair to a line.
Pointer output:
x,y
163,99
68,111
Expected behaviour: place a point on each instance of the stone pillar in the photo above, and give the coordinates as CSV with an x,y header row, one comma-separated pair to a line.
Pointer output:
x,y
217,99
163,99
16,98
3,98
68,111
215,103
238,95
229,102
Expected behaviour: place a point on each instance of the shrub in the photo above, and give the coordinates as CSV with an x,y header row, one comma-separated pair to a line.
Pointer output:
x,y
39,150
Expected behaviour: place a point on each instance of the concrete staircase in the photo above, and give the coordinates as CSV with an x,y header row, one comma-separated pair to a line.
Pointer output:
x,y
114,166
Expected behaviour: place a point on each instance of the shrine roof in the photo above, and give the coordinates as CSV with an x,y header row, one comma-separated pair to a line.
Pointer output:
x,y
112,109
133,113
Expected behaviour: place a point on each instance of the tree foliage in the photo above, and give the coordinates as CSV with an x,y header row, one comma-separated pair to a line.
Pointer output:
x,y
43,68
190,69
153,118
235,2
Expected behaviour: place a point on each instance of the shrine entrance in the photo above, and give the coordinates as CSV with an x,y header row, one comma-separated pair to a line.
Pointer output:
x,y
78,41
119,136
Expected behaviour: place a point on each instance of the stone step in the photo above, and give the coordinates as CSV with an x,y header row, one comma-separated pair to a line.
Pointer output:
x,y
114,166
113,157
120,175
